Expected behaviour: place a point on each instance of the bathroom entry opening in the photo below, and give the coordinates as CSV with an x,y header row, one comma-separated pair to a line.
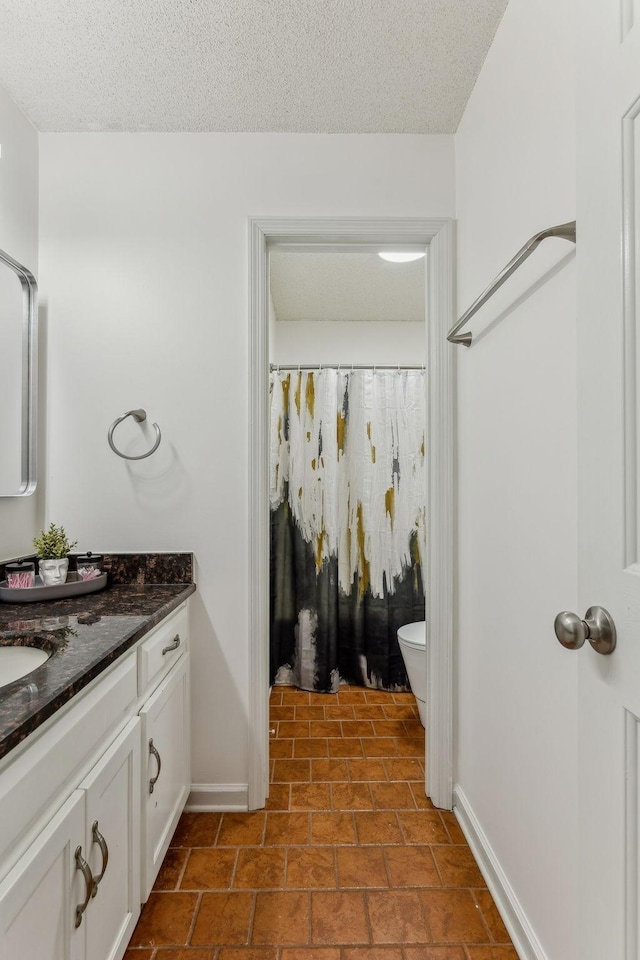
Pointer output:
x,y
347,475
316,318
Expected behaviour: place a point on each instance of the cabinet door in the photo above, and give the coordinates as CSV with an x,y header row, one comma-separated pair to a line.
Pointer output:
x,y
112,837
39,896
166,764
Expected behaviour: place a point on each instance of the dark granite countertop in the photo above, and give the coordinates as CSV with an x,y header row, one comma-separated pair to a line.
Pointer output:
x,y
85,634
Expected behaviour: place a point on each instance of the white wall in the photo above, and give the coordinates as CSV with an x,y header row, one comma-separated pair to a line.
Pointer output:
x,y
342,341
144,267
19,517
516,715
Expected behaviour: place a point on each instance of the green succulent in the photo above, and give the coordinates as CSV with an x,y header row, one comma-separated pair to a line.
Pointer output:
x,y
53,544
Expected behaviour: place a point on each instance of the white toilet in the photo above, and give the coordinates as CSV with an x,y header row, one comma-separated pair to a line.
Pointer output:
x,y
412,638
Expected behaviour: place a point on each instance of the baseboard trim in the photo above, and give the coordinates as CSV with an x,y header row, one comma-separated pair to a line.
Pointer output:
x,y
223,797
527,945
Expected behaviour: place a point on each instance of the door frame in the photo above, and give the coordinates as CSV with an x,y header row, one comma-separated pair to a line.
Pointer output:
x,y
438,236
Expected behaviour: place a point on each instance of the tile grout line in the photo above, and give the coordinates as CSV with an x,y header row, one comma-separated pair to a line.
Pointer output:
x,y
425,915
252,917
482,916
194,919
367,914
234,868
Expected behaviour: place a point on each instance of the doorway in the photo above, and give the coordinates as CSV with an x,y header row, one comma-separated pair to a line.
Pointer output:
x,y
436,236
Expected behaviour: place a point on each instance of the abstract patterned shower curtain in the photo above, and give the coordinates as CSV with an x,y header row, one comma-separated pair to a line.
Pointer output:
x,y
347,493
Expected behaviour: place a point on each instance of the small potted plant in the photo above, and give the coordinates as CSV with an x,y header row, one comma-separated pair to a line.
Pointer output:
x,y
53,547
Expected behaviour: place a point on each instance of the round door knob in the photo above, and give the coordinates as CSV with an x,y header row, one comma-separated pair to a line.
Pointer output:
x,y
597,627
570,630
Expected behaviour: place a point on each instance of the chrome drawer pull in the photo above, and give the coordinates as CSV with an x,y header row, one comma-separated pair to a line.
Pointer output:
x,y
154,752
104,850
175,643
82,865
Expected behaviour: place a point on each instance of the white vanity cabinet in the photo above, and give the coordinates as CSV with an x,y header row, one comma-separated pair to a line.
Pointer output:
x,y
81,836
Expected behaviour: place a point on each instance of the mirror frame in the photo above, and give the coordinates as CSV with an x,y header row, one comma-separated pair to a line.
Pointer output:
x,y
29,389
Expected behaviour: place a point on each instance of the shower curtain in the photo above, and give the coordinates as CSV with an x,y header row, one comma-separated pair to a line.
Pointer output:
x,y
347,497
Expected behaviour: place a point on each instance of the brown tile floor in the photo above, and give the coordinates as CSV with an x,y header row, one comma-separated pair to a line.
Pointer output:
x,y
349,860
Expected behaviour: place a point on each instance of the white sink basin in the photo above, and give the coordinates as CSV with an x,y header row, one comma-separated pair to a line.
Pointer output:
x,y
16,662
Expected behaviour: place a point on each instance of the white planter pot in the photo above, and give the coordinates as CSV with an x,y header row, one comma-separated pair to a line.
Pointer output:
x,y
53,572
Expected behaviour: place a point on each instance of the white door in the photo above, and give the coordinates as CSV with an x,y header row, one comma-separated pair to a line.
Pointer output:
x,y
112,842
166,778
608,250
43,899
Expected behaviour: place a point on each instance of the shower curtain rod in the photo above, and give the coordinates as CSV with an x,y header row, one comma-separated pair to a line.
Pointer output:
x,y
347,366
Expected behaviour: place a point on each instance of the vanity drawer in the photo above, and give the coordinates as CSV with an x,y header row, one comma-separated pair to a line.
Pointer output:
x,y
161,648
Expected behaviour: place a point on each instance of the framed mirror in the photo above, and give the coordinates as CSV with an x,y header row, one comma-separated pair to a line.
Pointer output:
x,y
18,378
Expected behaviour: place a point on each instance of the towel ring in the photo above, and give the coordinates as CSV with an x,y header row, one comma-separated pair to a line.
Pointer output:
x,y
138,416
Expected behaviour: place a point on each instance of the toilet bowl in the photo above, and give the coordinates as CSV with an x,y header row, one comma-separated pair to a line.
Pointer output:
x,y
412,638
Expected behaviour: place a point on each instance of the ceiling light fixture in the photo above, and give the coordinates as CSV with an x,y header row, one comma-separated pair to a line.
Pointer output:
x,y
395,256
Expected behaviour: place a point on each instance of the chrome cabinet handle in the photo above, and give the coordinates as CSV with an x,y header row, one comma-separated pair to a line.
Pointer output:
x,y
104,850
154,752
175,643
597,627
84,867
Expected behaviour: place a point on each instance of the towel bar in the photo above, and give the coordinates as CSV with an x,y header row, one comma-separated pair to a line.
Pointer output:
x,y
564,231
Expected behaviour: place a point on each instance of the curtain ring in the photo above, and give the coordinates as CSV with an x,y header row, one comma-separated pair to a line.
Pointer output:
x,y
138,416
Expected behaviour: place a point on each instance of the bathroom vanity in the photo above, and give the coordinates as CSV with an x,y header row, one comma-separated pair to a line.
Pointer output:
x,y
94,768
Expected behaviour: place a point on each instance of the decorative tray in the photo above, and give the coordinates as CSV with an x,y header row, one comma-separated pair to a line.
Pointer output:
x,y
72,588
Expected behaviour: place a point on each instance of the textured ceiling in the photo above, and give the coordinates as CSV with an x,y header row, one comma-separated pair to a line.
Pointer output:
x,y
345,286
332,66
